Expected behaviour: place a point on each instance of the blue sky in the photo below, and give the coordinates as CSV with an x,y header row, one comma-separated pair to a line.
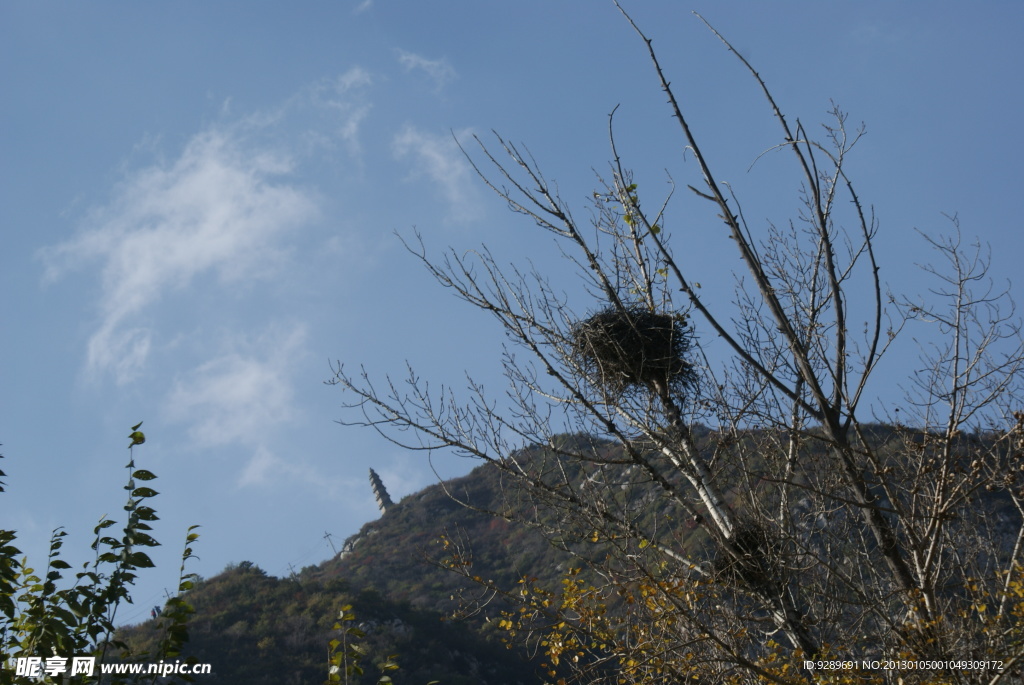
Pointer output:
x,y
199,204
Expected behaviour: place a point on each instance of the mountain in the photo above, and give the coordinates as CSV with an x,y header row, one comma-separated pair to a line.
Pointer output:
x,y
254,628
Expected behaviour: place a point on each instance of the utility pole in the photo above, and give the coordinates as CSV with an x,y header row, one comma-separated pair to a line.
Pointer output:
x,y
330,539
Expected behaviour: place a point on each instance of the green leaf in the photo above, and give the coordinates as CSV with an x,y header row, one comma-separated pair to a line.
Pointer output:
x,y
143,540
140,560
62,614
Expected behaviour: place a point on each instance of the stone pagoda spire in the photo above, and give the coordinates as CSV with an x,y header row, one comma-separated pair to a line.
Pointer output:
x,y
380,492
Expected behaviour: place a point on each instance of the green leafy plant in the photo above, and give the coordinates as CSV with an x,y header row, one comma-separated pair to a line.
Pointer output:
x,y
345,653
40,619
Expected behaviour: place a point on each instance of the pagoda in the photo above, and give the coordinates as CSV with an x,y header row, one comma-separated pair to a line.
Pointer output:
x,y
380,492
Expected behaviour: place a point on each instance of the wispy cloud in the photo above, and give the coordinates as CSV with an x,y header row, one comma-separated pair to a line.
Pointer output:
x,y
439,158
355,77
264,467
221,207
245,398
362,6
314,119
267,468
224,206
242,395
439,70
343,99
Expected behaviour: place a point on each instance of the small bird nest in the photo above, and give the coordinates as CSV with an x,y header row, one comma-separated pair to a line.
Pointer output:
x,y
626,349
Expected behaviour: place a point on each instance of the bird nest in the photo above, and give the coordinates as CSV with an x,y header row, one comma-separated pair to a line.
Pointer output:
x,y
626,349
751,556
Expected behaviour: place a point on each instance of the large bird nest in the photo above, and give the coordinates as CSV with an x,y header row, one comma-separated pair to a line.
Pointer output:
x,y
623,350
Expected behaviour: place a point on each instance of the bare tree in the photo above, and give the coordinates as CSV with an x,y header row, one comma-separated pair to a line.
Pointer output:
x,y
800,527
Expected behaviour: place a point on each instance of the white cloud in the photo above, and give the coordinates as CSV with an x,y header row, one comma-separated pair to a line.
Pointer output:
x,y
241,396
311,122
355,77
342,97
437,69
362,6
221,207
441,160
265,468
